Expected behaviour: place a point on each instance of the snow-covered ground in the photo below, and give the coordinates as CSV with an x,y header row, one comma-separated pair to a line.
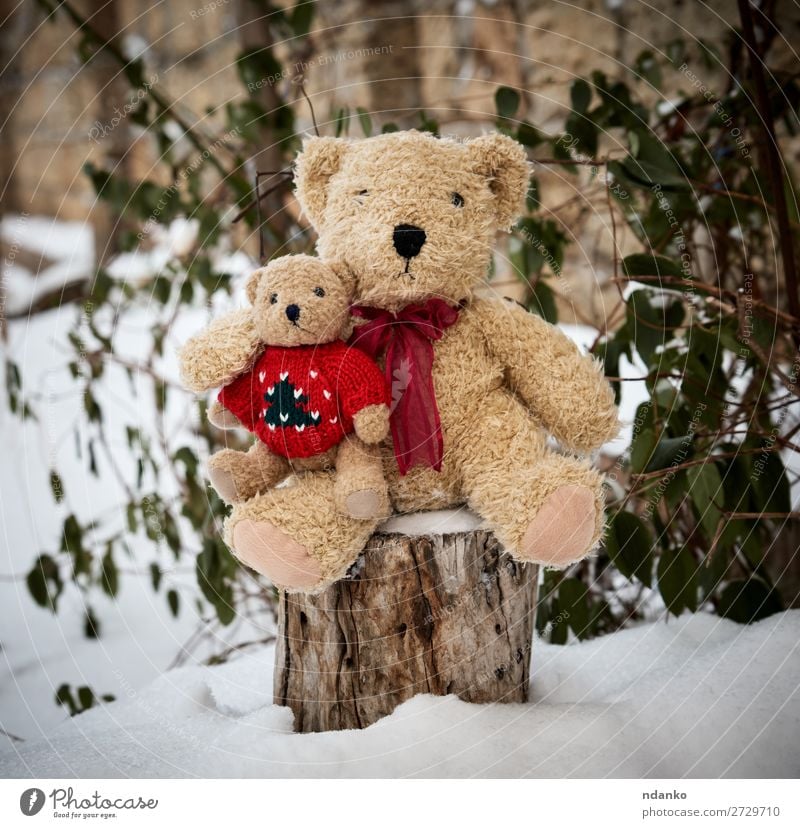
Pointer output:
x,y
696,697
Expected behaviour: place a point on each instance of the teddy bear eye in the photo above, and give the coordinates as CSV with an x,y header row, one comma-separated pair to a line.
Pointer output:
x,y
457,199
273,298
318,291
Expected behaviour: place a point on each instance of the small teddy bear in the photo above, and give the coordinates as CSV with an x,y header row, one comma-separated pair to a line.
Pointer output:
x,y
313,402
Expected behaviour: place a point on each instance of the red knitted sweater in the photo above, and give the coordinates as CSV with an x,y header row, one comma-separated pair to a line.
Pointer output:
x,y
301,401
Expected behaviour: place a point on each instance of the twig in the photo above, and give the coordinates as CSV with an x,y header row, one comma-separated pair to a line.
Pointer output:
x,y
12,736
260,196
220,657
302,86
774,163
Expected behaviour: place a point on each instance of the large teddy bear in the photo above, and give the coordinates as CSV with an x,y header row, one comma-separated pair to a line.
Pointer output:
x,y
477,385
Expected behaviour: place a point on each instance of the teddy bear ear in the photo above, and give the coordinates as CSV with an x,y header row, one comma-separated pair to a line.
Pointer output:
x,y
503,161
319,160
251,287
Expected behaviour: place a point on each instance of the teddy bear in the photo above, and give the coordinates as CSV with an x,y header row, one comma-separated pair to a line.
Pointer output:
x,y
491,406
312,401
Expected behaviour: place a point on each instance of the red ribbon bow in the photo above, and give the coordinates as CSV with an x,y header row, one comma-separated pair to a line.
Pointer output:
x,y
407,338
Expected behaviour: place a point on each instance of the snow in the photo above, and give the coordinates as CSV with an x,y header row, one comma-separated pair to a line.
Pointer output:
x,y
434,522
69,245
695,697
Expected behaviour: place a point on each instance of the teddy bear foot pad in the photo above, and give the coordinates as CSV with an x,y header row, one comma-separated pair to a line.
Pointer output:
x,y
272,553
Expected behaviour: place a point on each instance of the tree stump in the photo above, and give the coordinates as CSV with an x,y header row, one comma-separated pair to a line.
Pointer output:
x,y
434,614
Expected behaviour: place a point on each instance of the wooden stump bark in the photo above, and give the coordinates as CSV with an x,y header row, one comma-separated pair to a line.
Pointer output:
x,y
429,614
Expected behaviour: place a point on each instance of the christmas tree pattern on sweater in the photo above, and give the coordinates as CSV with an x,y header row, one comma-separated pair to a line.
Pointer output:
x,y
301,401
285,407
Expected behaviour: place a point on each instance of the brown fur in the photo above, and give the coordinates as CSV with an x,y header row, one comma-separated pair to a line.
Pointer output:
x,y
229,346
504,379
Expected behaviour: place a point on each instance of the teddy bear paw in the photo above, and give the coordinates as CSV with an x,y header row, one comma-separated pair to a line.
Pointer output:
x,y
272,553
563,529
367,504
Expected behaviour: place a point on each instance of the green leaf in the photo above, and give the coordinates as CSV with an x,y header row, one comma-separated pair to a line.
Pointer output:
x,y
574,602
745,601
584,131
155,576
646,66
109,574
91,626
542,302
646,264
257,68
44,582
669,451
390,127
654,164
629,544
642,448
188,458
506,101
677,580
364,120
770,484
645,322
653,326
301,16
72,543
91,407
528,135
705,490
342,121
580,95
173,601
562,153
64,698
86,697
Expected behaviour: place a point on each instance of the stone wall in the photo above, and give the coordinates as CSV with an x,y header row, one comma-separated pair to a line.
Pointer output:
x,y
392,57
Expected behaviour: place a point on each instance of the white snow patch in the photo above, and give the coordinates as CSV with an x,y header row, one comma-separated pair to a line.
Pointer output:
x,y
695,697
434,522
69,245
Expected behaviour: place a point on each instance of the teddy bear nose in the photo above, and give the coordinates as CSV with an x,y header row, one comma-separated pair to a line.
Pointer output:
x,y
293,312
408,240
